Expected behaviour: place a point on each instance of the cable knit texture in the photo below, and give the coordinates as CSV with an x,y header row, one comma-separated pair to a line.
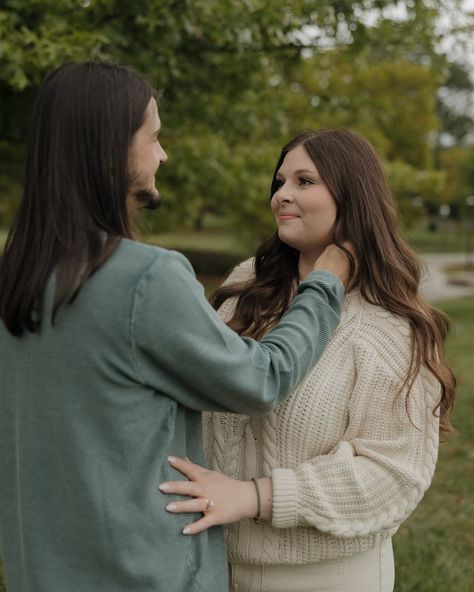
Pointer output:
x,y
348,463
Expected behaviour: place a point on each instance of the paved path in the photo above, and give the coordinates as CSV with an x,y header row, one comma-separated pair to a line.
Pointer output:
x,y
434,284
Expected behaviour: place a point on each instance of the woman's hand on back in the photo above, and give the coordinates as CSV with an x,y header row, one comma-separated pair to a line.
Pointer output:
x,y
220,498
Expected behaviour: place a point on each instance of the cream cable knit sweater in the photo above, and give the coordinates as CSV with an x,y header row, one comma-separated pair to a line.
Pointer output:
x,y
347,464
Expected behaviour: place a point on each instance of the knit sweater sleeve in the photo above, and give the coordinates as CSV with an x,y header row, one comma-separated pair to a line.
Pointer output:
x,y
378,472
182,348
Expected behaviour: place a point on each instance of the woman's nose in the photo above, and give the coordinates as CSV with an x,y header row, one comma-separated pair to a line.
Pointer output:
x,y
284,195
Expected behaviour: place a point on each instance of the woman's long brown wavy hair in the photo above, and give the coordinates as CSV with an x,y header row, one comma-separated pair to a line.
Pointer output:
x,y
388,272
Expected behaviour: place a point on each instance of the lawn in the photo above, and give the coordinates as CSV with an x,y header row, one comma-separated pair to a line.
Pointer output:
x,y
449,240
219,240
434,548
212,241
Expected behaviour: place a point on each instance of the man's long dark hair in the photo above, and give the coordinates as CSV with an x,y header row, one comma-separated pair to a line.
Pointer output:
x,y
73,212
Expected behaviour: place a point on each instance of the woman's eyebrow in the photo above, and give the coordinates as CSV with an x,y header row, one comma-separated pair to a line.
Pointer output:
x,y
305,171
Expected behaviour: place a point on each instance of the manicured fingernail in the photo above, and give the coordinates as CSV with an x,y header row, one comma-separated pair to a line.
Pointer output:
x,y
187,530
172,459
164,487
171,507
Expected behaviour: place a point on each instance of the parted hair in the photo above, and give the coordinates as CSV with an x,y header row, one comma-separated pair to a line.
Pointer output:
x,y
73,211
388,271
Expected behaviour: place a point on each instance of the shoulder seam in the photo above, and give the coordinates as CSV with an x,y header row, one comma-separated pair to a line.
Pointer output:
x,y
139,287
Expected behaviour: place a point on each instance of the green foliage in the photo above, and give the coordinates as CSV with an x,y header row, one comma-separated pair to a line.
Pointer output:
x,y
11,173
408,183
238,80
219,240
467,168
455,162
37,35
391,102
443,240
457,122
458,164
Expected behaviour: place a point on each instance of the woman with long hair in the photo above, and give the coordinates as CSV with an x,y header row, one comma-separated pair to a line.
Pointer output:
x,y
338,466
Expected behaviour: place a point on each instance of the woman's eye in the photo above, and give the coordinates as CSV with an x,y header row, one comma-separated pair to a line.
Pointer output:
x,y
305,181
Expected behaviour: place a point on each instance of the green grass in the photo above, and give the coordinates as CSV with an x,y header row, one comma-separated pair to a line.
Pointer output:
x,y
210,241
434,548
221,242
450,240
214,241
463,269
228,241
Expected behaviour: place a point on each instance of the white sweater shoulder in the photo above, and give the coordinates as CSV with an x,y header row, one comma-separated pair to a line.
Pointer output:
x,y
241,273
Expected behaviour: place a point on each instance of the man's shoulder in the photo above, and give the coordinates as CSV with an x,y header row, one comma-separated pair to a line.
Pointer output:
x,y
139,252
133,262
139,256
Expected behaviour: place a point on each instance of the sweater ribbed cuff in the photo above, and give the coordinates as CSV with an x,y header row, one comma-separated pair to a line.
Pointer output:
x,y
285,503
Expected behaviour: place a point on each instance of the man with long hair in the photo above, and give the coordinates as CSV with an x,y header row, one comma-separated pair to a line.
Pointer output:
x,y
109,351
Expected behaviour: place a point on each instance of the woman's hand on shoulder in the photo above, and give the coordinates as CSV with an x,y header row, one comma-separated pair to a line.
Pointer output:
x,y
221,499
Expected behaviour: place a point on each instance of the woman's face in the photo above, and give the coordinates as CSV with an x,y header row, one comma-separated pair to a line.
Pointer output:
x,y
304,209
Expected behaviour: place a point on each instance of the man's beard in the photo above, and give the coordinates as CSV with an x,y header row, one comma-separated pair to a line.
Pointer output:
x,y
150,199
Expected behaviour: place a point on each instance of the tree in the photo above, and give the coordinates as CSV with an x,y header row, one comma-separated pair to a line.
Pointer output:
x,y
238,79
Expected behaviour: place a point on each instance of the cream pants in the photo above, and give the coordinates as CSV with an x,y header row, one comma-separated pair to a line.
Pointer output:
x,y
370,571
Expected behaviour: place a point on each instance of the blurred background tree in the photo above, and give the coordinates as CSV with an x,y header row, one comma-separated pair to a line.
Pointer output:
x,y
240,78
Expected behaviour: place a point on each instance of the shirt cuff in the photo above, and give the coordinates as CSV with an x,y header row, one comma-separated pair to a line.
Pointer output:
x,y
285,503
327,278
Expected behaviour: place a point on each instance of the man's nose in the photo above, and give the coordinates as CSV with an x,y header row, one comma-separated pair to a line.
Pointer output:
x,y
163,156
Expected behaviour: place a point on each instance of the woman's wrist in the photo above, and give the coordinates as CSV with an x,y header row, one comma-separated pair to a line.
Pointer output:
x,y
266,498
250,507
262,489
248,498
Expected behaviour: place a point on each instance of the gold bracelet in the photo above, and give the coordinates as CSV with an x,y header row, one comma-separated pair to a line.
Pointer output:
x,y
259,507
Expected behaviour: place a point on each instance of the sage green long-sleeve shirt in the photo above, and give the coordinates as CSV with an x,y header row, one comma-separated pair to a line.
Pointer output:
x,y
91,407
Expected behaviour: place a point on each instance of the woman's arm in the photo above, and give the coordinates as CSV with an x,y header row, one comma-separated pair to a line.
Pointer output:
x,y
379,470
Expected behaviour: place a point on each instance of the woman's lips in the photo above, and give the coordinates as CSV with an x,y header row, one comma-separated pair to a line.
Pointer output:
x,y
284,217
